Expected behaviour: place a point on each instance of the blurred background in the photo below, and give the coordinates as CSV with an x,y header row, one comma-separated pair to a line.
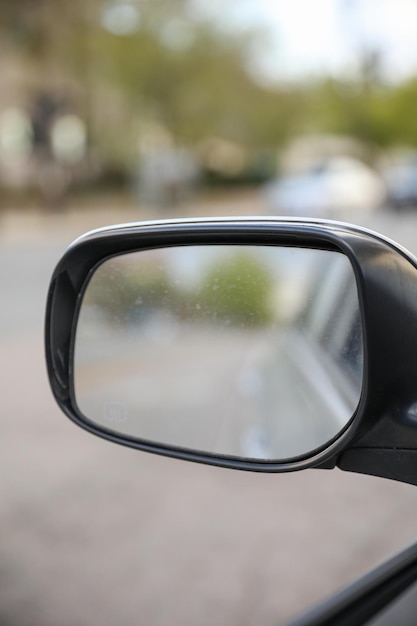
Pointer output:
x,y
133,109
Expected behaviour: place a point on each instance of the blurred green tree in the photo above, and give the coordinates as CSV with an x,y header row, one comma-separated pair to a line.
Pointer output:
x,y
237,290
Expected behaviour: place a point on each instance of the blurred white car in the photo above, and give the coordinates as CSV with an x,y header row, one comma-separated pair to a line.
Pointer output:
x,y
328,189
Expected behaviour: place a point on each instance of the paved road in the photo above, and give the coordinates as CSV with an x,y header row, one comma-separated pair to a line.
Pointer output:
x,y
96,534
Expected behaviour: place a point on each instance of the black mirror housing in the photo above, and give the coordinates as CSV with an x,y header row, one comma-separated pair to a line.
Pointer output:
x,y
381,437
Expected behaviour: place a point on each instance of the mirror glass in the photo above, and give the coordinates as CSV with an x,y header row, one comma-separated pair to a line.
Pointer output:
x,y
246,351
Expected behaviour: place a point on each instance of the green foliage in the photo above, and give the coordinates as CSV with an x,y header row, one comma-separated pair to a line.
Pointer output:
x,y
237,290
378,115
204,90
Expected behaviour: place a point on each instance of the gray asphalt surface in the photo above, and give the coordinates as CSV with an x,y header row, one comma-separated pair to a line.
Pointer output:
x,y
98,534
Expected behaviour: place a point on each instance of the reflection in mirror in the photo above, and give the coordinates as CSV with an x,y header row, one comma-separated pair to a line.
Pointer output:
x,y
244,351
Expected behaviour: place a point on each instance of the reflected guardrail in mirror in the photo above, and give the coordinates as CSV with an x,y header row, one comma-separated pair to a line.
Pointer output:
x,y
243,351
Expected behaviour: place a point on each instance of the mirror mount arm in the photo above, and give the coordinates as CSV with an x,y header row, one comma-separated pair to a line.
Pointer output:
x,y
396,464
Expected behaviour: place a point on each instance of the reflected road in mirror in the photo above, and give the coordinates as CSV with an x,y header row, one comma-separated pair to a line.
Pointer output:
x,y
244,351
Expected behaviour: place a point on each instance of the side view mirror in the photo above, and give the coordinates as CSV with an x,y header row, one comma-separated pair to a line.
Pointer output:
x,y
257,344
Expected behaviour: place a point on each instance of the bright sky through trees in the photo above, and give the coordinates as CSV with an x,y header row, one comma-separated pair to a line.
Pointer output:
x,y
316,36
